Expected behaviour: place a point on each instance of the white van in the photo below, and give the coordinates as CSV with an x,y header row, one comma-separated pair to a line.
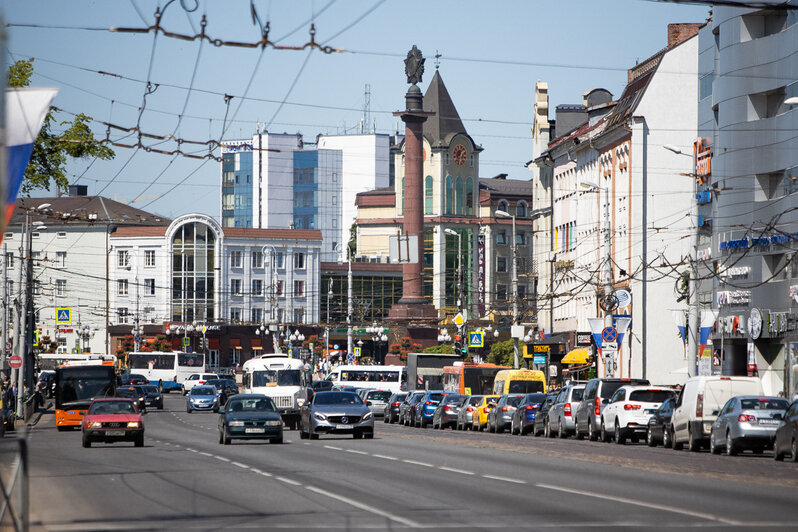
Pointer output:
x,y
698,404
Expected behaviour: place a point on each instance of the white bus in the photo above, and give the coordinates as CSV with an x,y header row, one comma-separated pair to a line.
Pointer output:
x,y
53,361
281,378
393,378
167,370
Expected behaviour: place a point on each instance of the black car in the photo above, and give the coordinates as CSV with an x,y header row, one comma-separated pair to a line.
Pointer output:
x,y
406,408
322,386
133,378
250,416
541,422
659,424
135,393
152,397
445,415
526,412
227,388
786,440
391,411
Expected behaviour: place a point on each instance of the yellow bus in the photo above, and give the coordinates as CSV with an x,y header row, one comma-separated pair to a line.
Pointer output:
x,y
519,381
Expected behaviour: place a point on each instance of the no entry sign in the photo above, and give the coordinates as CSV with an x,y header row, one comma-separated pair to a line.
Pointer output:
x,y
15,361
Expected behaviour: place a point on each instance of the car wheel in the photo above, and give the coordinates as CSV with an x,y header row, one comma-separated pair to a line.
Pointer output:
x,y
188,410
731,448
603,435
561,431
357,435
499,429
777,456
692,442
794,450
667,438
160,406
226,440
713,445
547,430
314,436
139,441
620,439
491,428
385,419
221,436
86,442
278,439
591,432
578,434
650,438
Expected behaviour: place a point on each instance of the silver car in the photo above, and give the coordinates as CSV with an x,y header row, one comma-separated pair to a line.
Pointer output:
x,y
376,400
465,415
336,413
202,398
747,422
561,413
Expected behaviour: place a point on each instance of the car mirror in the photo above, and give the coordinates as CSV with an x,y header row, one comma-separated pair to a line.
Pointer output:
x,y
606,401
715,412
221,410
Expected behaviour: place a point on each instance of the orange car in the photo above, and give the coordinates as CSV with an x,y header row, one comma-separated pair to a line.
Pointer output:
x,y
480,415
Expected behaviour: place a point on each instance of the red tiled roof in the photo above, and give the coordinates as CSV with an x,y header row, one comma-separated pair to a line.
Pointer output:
x,y
285,234
133,231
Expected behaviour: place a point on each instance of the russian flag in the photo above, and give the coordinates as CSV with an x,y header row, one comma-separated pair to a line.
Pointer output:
x,y
26,109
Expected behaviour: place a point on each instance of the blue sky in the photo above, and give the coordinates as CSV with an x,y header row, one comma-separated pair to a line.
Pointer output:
x,y
492,53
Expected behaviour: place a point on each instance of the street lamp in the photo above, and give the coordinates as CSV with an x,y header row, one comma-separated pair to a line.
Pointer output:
x,y
444,337
459,265
506,214
378,337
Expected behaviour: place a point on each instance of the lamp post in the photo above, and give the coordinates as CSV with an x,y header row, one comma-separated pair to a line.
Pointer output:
x,y
379,337
327,328
444,337
692,319
506,214
459,265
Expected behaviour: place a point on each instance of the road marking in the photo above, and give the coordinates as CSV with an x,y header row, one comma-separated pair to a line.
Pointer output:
x,y
203,453
192,450
424,464
222,458
505,479
384,457
288,481
255,470
239,464
265,474
353,451
453,470
365,507
333,448
644,504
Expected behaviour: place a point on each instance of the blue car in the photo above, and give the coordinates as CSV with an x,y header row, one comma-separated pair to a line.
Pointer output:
x,y
524,416
425,408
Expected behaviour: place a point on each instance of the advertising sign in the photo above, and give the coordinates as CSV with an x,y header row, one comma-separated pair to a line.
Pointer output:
x,y
481,274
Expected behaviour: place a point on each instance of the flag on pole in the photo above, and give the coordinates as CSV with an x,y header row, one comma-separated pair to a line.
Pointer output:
x,y
25,112
680,319
708,319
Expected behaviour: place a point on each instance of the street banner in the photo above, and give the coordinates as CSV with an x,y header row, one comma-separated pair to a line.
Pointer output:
x,y
680,319
481,274
621,325
25,112
596,326
708,319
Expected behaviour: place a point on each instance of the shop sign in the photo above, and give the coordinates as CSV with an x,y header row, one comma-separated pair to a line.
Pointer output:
x,y
584,338
731,325
563,264
541,349
777,322
735,272
481,274
759,242
703,160
734,297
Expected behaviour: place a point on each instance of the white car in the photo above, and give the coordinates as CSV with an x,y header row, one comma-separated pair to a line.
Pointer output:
x,y
197,379
628,412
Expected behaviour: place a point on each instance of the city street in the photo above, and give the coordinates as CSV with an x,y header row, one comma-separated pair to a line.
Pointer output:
x,y
404,478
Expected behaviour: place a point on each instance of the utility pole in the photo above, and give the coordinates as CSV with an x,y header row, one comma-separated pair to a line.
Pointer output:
x,y
23,314
349,346
515,296
327,329
5,307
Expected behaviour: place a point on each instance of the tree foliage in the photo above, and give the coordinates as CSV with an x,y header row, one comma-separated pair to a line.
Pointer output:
x,y
501,353
46,168
441,349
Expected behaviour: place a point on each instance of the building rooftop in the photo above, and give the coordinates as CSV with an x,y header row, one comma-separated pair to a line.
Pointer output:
x,y
71,210
284,234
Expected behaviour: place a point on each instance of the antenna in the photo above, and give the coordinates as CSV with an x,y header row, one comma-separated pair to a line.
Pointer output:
x,y
437,59
366,109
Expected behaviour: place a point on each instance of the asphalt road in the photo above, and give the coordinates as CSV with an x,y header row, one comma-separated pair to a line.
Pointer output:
x,y
404,478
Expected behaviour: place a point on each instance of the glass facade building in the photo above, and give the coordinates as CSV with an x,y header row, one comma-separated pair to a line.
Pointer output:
x,y
237,185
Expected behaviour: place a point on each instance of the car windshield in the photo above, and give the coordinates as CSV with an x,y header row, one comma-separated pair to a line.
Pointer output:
x,y
609,388
650,396
435,397
452,398
216,383
514,400
535,398
525,386
337,398
254,404
283,377
112,407
149,389
203,390
378,396
764,403
577,393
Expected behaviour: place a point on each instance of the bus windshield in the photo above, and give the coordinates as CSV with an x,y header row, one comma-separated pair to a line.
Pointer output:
x,y
370,376
282,377
82,385
159,361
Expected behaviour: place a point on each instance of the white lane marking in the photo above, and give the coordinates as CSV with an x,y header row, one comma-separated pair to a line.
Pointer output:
x,y
265,474
255,470
333,448
424,464
644,504
288,481
203,453
239,464
222,458
365,507
505,479
384,457
353,451
190,449
453,470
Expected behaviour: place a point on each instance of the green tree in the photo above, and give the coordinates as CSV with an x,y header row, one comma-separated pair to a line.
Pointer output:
x,y
442,349
501,353
50,152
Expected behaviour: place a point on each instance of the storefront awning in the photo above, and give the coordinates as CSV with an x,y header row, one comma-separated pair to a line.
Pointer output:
x,y
576,356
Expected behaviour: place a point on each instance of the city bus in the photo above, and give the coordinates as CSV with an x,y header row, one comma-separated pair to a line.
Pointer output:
x,y
283,379
76,387
471,379
167,370
393,378
53,361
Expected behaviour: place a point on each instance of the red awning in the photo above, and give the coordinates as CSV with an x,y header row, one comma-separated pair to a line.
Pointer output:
x,y
256,342
235,342
213,343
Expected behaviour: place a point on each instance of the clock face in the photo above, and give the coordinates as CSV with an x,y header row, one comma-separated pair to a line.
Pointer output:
x,y
459,155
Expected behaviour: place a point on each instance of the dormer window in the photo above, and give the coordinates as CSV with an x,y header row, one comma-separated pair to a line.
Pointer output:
x,y
503,206
521,210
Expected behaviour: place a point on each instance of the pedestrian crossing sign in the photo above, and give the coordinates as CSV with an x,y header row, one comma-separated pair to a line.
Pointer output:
x,y
35,338
63,315
476,339
357,351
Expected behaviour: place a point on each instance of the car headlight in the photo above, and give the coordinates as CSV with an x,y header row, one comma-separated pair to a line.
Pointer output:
x,y
274,423
367,416
320,416
300,402
141,398
236,423
216,398
95,425
133,424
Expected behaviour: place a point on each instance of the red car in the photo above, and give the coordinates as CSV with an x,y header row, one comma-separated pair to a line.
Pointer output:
x,y
111,420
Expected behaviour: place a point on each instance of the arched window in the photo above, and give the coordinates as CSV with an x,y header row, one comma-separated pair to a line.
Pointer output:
x,y
449,193
428,195
503,206
469,191
520,209
458,196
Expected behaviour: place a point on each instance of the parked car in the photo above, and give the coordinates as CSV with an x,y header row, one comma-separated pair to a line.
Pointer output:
x,y
197,379
132,378
152,397
501,417
747,422
250,416
336,413
524,416
134,393
479,417
202,398
698,403
466,414
390,413
786,439
225,387
541,424
406,408
659,424
425,407
376,400
110,420
627,413
445,414
587,420
561,413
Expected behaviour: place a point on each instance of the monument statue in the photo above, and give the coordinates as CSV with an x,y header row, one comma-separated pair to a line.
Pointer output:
x,y
414,65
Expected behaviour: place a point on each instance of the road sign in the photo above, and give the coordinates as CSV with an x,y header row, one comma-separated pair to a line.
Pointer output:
x,y
35,338
609,334
63,315
459,320
186,341
539,359
609,346
350,358
476,339
137,338
15,361
357,351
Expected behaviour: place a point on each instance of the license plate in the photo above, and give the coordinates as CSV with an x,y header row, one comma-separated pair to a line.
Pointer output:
x,y
255,431
768,421
114,432
344,427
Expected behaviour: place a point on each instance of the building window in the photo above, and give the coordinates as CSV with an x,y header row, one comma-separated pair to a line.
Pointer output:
x,y
122,287
123,258
256,315
9,260
449,194
458,196
60,287
501,238
121,315
235,357
469,187
213,358
501,264
61,234
280,257
334,199
149,258
60,259
235,314
299,261
428,195
235,259
501,292
299,288
520,239
521,291
257,259
257,287
520,209
149,287
503,206
471,160
279,288
299,315
235,287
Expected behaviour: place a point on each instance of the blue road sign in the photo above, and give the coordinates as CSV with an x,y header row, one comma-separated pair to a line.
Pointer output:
x,y
350,358
539,359
476,339
186,341
609,334
63,315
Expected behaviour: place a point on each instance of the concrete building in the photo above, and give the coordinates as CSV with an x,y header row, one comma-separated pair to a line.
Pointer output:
x,y
747,165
